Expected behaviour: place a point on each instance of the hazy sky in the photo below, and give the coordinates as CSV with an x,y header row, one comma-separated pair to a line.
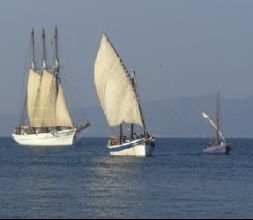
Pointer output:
x,y
178,48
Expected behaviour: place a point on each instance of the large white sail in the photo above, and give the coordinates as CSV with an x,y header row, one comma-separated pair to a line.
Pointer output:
x,y
46,108
32,92
45,113
115,90
63,117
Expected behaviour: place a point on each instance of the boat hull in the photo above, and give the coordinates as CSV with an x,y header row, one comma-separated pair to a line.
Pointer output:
x,y
59,138
138,148
218,149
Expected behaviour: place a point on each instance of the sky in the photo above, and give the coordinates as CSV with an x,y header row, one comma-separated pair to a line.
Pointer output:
x,y
178,48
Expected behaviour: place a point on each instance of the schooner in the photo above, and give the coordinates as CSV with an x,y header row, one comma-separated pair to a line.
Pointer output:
x,y
118,96
49,119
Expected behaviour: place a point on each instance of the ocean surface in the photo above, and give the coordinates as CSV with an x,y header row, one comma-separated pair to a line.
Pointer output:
x,y
83,181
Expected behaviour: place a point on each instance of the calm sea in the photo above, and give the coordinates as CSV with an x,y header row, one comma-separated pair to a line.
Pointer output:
x,y
83,181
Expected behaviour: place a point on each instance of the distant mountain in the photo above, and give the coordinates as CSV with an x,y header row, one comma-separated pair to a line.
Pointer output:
x,y
182,117
173,117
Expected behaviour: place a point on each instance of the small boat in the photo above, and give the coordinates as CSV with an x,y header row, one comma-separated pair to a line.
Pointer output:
x,y
222,148
219,146
118,96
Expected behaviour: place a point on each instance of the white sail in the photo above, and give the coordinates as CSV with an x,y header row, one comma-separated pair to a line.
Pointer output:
x,y
50,122
32,92
63,117
214,125
115,91
45,114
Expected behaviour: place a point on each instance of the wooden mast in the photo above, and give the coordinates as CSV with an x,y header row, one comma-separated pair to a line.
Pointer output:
x,y
56,46
33,51
139,102
218,117
132,125
56,60
44,57
120,133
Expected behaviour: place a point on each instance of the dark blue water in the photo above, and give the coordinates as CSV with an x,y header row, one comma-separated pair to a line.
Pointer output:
x,y
85,182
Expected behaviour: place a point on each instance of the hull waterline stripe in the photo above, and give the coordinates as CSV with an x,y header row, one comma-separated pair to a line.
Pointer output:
x,y
128,146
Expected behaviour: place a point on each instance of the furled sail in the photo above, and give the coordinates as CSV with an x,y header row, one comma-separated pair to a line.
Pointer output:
x,y
45,113
63,117
32,92
115,90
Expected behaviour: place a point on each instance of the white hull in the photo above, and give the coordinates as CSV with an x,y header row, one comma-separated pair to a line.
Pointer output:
x,y
138,148
218,149
59,138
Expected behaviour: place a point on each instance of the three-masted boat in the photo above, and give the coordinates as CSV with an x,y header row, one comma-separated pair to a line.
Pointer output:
x,y
49,120
118,96
219,145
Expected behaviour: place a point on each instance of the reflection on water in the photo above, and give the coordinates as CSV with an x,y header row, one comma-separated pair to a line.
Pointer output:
x,y
113,187
85,182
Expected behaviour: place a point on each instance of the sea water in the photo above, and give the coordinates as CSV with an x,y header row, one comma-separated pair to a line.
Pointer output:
x,y
83,181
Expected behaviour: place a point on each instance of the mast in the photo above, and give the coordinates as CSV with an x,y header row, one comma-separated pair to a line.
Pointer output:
x,y
56,59
138,100
218,117
132,125
33,51
44,58
120,133
132,131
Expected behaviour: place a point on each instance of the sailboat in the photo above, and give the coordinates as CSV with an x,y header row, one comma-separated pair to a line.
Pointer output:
x,y
118,96
49,120
219,145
